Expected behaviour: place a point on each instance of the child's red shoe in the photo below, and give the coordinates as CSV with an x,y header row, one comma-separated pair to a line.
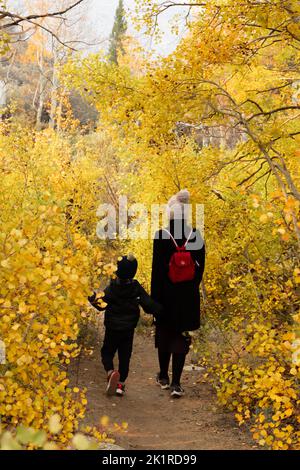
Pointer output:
x,y
112,382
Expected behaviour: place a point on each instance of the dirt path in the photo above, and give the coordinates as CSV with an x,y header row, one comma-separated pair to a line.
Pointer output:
x,y
154,420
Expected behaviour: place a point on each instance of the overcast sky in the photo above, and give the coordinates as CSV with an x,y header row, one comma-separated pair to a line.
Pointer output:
x,y
102,14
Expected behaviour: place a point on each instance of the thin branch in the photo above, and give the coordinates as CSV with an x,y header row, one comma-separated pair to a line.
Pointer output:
x,y
19,19
273,111
275,88
169,4
268,172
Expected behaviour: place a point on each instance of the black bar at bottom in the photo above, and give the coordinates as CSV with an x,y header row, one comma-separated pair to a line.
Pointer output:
x,y
136,459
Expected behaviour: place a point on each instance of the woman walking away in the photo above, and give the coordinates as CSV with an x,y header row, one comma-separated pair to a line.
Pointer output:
x,y
177,270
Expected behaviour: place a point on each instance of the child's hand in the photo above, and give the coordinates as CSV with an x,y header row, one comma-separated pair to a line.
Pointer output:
x,y
100,301
96,300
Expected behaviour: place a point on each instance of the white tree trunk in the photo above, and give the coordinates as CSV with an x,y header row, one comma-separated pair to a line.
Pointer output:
x,y
54,89
41,92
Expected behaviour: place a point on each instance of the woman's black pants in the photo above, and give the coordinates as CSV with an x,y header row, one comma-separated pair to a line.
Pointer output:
x,y
121,342
178,360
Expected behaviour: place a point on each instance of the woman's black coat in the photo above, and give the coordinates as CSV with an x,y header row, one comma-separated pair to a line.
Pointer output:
x,y
180,301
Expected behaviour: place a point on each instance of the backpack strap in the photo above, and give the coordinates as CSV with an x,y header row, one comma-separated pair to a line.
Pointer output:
x,y
171,236
188,239
174,241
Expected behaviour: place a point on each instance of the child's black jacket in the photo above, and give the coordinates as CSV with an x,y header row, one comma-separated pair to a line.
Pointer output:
x,y
123,298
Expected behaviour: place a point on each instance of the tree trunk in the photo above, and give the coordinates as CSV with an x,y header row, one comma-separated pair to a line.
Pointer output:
x,y
42,89
55,85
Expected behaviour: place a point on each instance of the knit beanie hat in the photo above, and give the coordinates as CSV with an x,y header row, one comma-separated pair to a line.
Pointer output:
x,y
127,267
176,205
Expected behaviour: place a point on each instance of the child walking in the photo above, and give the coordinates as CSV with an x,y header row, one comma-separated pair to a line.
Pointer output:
x,y
123,297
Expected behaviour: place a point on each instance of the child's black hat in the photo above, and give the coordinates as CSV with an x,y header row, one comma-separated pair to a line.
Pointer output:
x,y
127,267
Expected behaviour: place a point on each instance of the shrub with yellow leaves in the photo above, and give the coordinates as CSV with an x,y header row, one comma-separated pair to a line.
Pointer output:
x,y
48,439
262,387
250,337
50,259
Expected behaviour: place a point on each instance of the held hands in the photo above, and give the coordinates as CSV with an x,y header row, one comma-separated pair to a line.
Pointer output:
x,y
159,312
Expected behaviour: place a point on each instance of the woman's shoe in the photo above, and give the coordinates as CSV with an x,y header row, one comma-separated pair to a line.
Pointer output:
x,y
176,391
120,391
112,382
163,383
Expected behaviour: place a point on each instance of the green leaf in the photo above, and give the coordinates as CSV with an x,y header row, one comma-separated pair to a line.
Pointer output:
x,y
39,438
25,435
8,442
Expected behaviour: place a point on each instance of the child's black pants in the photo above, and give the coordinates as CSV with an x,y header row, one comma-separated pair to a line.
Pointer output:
x,y
122,342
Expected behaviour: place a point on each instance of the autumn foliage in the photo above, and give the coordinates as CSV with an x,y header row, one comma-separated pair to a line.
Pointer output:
x,y
50,258
220,116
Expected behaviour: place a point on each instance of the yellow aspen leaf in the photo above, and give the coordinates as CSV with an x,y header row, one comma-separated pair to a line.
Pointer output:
x,y
264,218
55,424
104,421
80,442
5,263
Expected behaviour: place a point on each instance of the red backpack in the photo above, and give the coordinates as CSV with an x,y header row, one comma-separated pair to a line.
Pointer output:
x,y
181,266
